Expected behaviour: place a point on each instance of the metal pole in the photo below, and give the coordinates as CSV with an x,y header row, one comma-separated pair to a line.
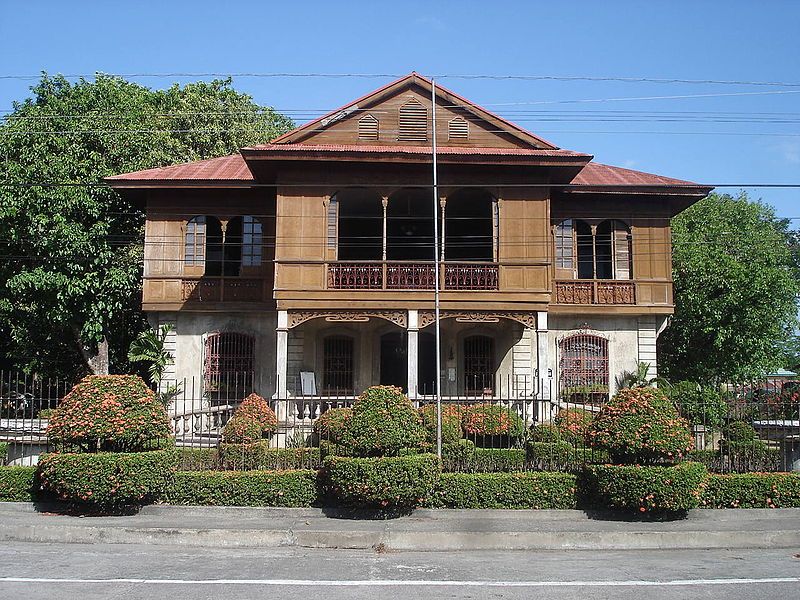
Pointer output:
x,y
436,275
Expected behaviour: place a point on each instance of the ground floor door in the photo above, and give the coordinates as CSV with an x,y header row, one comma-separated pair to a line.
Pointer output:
x,y
394,360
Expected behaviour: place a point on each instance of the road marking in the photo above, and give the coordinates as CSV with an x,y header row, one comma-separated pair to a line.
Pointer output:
x,y
410,583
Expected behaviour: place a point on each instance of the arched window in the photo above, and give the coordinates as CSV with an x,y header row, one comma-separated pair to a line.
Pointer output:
x,y
413,122
470,226
583,368
228,365
337,365
368,128
600,252
479,367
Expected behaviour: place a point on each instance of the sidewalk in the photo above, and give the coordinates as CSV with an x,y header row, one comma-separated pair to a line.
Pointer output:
x,y
426,530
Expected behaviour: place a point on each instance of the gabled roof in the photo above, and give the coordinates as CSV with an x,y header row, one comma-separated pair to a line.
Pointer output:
x,y
304,131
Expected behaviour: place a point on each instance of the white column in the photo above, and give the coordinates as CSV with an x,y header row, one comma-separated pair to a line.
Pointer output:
x,y
543,365
413,352
282,357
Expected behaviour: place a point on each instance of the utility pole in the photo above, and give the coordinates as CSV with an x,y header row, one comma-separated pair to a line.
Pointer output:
x,y
436,274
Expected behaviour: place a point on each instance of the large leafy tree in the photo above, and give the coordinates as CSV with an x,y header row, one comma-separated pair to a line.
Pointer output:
x,y
736,290
70,247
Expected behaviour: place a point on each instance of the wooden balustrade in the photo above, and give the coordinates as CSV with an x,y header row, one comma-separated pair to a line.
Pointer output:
x,y
589,291
219,289
411,276
355,276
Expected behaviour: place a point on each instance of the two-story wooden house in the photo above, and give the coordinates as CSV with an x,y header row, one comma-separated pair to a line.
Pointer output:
x,y
314,254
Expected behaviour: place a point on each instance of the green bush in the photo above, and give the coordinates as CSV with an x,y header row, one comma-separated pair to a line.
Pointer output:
x,y
241,430
482,421
383,423
546,433
646,489
752,490
259,456
574,425
116,413
17,484
256,408
3,453
739,431
244,488
505,490
331,425
550,456
197,459
459,452
451,423
700,405
401,482
485,460
108,480
641,425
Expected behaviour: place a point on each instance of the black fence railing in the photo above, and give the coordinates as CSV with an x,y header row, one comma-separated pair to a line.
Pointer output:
x,y
488,425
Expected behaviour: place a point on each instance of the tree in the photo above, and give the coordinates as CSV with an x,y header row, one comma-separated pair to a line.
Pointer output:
x,y
71,252
736,290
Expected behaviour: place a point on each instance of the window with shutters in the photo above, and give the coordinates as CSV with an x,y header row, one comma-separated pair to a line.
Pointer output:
x,y
458,129
583,368
413,122
228,365
599,252
368,128
202,246
194,252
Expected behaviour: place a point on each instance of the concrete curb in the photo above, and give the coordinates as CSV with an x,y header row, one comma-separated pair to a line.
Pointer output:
x,y
424,531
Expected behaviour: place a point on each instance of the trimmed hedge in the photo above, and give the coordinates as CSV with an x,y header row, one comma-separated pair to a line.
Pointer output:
x,y
451,422
389,482
244,488
752,490
485,421
506,490
331,425
17,484
259,456
646,489
108,480
546,433
3,453
461,458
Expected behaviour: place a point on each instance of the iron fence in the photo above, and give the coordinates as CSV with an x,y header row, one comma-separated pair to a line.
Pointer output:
x,y
488,425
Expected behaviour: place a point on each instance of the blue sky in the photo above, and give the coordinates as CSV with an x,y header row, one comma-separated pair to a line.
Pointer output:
x,y
742,41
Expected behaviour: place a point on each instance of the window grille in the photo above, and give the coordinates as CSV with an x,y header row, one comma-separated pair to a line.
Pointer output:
x,y
252,242
413,122
337,365
583,368
479,365
458,129
228,365
368,128
194,253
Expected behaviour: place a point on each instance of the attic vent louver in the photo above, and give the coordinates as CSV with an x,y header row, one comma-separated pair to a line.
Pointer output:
x,y
413,126
458,129
368,128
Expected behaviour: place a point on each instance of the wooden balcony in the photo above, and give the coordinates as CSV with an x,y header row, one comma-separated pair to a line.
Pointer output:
x,y
222,289
411,276
595,292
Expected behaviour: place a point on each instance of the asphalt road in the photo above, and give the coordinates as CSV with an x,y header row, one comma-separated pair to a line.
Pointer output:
x,y
87,572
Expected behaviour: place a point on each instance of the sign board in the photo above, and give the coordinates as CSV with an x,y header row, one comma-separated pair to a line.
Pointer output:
x,y
308,383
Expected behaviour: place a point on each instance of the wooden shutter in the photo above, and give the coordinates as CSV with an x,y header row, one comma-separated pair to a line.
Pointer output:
x,y
458,129
368,128
413,122
622,251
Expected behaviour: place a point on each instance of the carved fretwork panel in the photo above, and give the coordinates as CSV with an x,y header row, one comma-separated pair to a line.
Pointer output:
x,y
427,317
398,317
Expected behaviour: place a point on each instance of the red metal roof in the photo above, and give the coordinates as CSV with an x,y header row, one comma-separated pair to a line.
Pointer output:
x,y
224,168
398,149
598,174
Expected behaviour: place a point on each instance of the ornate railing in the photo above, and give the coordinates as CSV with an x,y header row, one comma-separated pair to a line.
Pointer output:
x,y
355,276
595,291
411,276
218,289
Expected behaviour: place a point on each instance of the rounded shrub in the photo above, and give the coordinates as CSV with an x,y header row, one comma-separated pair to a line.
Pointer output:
x,y
451,422
647,489
545,433
241,430
487,420
109,413
330,425
641,425
383,423
108,480
739,431
256,408
395,482
574,425
700,405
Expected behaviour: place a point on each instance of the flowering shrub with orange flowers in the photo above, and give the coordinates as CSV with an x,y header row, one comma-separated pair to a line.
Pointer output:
x,y
490,420
241,430
574,425
331,424
256,408
116,413
451,422
641,425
